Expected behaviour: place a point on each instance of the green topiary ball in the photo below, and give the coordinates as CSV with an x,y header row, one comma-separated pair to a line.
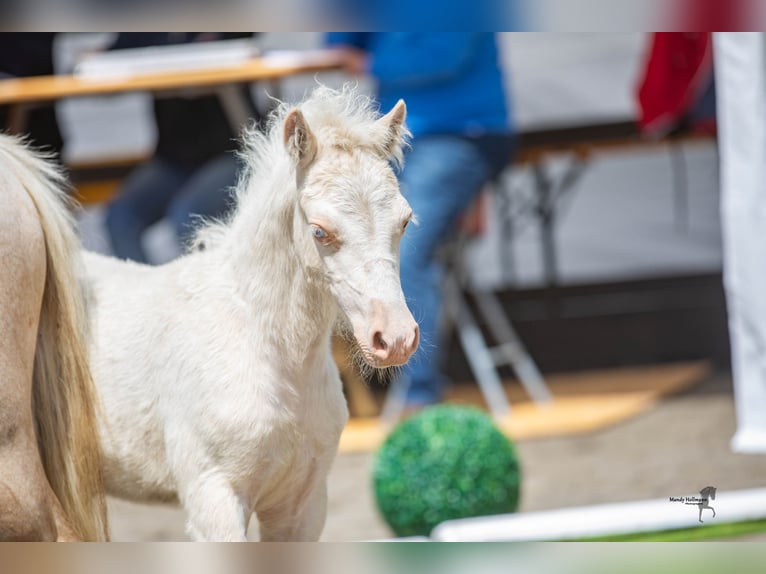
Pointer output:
x,y
446,462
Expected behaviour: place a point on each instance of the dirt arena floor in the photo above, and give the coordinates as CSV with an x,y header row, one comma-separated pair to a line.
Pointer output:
x,y
674,449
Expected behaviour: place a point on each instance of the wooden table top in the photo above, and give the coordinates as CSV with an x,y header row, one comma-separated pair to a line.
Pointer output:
x,y
267,67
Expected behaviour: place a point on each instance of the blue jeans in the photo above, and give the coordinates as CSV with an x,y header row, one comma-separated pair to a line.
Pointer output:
x,y
161,189
442,175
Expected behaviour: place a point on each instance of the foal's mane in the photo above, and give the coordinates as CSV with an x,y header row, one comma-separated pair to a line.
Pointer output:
x,y
343,119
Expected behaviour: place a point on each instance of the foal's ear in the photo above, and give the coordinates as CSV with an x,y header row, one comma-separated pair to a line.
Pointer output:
x,y
392,129
299,139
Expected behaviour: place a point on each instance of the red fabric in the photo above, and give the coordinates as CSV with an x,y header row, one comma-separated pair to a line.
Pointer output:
x,y
678,68
712,15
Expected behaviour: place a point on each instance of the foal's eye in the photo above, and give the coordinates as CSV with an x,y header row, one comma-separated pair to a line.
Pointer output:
x,y
405,224
319,233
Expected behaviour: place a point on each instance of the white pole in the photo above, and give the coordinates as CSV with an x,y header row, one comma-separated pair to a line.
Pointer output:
x,y
740,68
606,519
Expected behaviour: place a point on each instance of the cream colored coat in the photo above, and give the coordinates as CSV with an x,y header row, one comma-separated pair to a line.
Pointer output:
x,y
215,371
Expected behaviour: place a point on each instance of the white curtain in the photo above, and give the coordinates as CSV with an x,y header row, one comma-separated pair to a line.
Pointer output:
x,y
740,68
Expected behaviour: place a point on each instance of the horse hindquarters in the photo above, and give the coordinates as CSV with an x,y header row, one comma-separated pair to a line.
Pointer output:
x,y
24,510
63,395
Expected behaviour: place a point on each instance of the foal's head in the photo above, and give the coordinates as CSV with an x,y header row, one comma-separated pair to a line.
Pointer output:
x,y
352,217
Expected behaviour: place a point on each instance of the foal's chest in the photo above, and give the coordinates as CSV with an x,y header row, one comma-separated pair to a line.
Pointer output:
x,y
287,463
275,435
279,444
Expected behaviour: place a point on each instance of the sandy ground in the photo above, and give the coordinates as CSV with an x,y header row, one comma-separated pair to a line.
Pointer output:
x,y
677,448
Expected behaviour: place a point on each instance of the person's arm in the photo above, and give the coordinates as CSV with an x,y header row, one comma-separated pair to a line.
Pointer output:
x,y
412,59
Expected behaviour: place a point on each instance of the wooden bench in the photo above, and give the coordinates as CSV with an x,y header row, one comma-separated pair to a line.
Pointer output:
x,y
97,181
582,144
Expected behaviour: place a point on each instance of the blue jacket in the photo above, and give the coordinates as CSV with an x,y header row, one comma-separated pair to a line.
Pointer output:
x,y
451,81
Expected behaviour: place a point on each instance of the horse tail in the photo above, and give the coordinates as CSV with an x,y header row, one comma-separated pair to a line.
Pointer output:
x,y
64,398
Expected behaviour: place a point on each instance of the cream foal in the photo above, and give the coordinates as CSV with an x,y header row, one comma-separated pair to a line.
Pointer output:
x,y
215,371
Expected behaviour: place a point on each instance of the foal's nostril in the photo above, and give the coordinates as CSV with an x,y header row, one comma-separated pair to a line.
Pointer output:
x,y
415,339
378,343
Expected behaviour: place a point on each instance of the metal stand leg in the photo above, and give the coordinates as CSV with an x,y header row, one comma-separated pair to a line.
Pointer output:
x,y
511,350
482,358
680,188
506,228
476,350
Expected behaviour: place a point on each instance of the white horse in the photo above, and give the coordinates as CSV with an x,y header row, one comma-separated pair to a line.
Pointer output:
x,y
215,370
50,466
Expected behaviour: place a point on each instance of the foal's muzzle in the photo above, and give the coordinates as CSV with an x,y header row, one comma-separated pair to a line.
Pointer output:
x,y
393,335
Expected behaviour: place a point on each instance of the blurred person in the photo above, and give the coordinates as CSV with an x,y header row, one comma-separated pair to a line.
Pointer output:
x,y
24,54
458,114
194,165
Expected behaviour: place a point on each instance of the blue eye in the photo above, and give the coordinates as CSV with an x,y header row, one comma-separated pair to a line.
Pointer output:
x,y
318,232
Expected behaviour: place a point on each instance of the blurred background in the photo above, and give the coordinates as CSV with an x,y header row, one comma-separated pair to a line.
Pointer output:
x,y
601,242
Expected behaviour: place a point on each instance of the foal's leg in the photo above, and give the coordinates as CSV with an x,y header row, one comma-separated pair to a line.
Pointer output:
x,y
214,511
291,524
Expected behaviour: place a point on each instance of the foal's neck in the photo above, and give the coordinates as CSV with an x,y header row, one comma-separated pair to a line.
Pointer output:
x,y
266,253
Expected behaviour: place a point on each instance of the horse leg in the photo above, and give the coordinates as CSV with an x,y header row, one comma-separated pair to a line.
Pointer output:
x,y
64,531
46,519
25,509
25,512
25,494
29,509
304,525
214,511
